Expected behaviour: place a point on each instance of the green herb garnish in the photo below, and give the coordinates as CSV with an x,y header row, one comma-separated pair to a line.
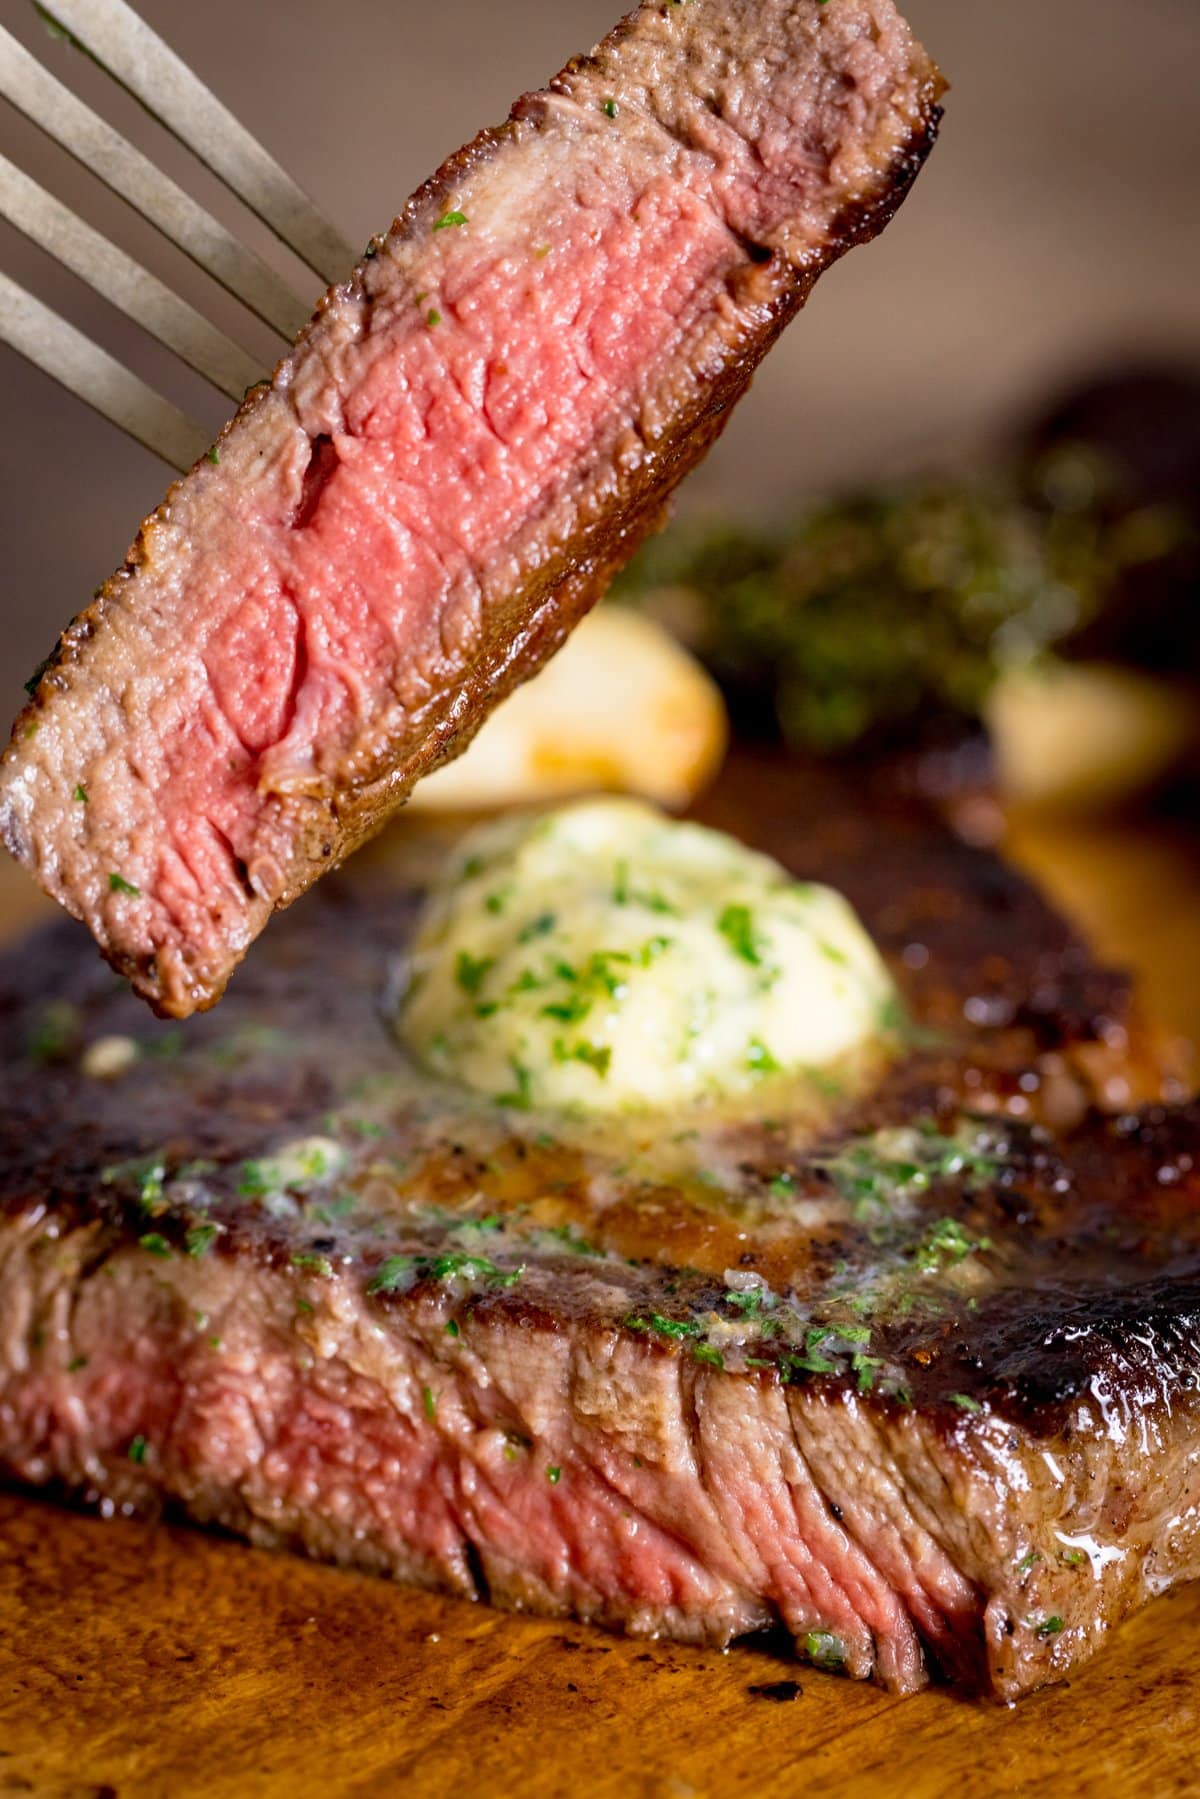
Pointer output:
x,y
200,1239
118,884
521,1097
313,1264
825,1650
759,1059
471,971
448,219
736,925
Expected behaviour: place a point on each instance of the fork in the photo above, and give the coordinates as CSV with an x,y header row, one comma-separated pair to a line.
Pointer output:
x,y
124,46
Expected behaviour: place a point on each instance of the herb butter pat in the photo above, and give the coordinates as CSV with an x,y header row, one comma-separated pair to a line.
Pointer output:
x,y
603,957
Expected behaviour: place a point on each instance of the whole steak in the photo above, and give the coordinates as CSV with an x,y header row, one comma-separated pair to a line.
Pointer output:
x,y
921,1383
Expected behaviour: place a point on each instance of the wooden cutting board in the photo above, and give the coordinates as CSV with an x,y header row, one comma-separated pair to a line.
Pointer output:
x,y
137,1662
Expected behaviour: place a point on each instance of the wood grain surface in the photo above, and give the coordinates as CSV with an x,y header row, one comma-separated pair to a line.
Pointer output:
x,y
141,1661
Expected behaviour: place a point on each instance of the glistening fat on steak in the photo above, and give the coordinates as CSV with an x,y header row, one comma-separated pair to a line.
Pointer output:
x,y
467,441
924,1390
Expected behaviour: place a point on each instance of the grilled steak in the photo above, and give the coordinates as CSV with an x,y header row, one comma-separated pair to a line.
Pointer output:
x,y
918,1382
469,438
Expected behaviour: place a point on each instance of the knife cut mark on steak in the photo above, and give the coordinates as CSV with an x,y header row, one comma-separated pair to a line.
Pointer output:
x,y
468,440
922,1388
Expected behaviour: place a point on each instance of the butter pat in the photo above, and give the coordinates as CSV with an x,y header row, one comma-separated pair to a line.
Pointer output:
x,y
605,958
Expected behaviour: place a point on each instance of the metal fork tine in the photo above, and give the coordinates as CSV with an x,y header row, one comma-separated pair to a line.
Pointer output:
x,y
138,58
86,370
138,294
132,176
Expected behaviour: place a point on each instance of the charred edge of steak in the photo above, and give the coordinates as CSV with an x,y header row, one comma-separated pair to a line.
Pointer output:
x,y
948,1529
520,636
1102,1288
858,224
968,1445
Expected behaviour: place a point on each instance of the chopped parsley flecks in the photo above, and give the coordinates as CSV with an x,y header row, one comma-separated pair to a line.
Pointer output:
x,y
146,1175
625,895
433,318
428,1401
1050,1627
313,1264
449,219
154,1244
200,1239
296,1167
879,1171
569,1011
541,926
944,1245
214,455
760,1059
736,925
396,1274
80,795
965,1403
520,1097
138,1449
824,1650
609,108
553,1475
471,971
597,1056
118,884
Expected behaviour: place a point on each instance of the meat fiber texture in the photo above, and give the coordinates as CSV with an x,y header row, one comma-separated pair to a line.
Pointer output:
x,y
470,437
915,1381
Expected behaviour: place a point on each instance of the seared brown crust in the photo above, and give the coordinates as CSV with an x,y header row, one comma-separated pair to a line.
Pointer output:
x,y
990,1449
326,823
1011,1015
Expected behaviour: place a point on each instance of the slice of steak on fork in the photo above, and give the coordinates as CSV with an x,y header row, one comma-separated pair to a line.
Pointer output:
x,y
918,1382
471,436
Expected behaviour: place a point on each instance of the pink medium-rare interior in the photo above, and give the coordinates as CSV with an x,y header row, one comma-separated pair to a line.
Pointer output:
x,y
647,1494
464,414
313,605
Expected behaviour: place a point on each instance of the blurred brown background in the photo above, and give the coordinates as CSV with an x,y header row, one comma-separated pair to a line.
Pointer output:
x,y
1054,230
